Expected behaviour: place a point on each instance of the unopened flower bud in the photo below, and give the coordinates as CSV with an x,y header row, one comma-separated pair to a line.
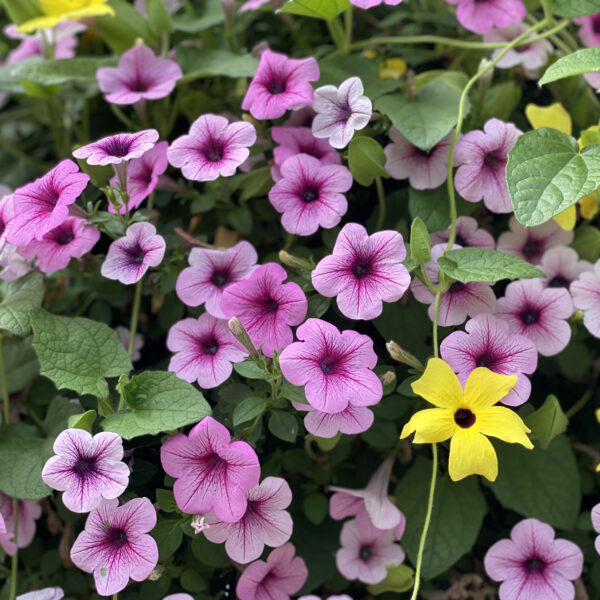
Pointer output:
x,y
294,261
388,378
156,573
402,356
241,335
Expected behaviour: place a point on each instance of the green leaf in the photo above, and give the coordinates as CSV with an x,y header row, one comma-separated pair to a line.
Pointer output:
x,y
20,362
208,553
20,11
574,8
78,353
207,62
366,160
426,119
17,298
317,306
121,31
399,579
587,242
256,183
249,369
209,14
57,72
543,484
577,63
484,264
158,16
191,581
318,9
57,416
293,393
248,409
315,507
546,174
166,500
547,422
83,421
157,401
168,536
283,425
420,244
458,511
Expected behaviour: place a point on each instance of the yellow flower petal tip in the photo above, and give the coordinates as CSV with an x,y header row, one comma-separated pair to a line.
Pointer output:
x,y
567,218
57,11
394,68
598,414
589,205
554,116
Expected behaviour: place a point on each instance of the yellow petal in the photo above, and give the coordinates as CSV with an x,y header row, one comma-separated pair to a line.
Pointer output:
x,y
505,424
589,205
484,388
471,453
79,9
598,414
439,385
430,426
554,116
567,218
394,68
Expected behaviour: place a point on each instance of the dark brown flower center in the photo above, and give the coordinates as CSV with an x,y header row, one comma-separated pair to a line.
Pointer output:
x,y
534,565
464,418
558,281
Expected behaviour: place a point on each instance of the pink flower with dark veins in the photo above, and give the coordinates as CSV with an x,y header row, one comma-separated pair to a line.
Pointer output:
x,y
467,235
586,297
351,420
562,266
589,32
118,148
28,512
480,16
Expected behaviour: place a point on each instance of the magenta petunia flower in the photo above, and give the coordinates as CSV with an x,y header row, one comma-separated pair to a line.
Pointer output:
x,y
87,469
310,195
44,204
533,564
139,75
367,552
596,524
350,420
72,239
480,16
589,32
211,271
129,257
341,111
142,176
530,243
28,511
483,156
204,350
265,522
277,579
300,140
335,367
115,545
489,343
212,472
371,3
280,83
363,271
118,148
425,170
6,537
213,148
586,297
460,301
562,266
467,235
6,213
266,306
53,593
537,312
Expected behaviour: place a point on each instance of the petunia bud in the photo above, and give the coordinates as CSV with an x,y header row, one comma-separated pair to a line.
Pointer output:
x,y
402,356
241,335
294,261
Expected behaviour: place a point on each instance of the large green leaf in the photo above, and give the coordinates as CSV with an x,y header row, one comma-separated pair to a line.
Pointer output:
x,y
207,62
366,160
56,72
543,484
458,511
21,363
20,11
208,15
78,353
157,401
546,174
547,422
574,8
122,30
17,298
168,536
318,9
582,61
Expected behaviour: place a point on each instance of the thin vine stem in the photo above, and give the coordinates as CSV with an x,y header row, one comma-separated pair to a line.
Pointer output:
x,y
586,397
135,315
5,396
381,202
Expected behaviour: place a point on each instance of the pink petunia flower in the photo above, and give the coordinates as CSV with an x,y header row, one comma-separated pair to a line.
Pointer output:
x,y
480,16
277,579
467,235
72,239
138,343
371,3
530,243
300,140
562,266
265,522
139,75
44,204
351,420
204,350
533,564
143,175
6,213
335,597
87,469
280,83
367,552
537,312
118,148
489,343
212,472
335,367
483,156
425,170
589,32
115,545
310,195
266,306
211,272
460,301
52,593
252,5
596,524
129,257
586,297
213,148
13,263
28,512
363,271
370,503
341,111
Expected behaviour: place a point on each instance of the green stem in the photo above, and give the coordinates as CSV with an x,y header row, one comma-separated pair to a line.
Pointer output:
x,y
585,398
5,396
135,315
381,202
548,16
336,31
348,19
436,308
124,118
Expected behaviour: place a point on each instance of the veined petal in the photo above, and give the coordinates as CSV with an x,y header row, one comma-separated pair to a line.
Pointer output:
x,y
471,453
439,385
484,388
431,425
505,424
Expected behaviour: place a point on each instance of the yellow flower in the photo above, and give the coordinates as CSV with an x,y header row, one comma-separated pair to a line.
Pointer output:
x,y
393,68
466,417
56,11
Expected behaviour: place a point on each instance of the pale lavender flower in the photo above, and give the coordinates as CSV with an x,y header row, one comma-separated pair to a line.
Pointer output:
x,y
28,511
589,32
118,148
562,266
596,524
13,263
351,420
124,336
370,4
586,297
480,16
467,235
52,593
